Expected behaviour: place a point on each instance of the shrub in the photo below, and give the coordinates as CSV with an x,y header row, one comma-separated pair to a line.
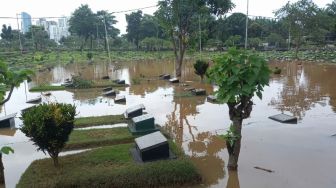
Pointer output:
x,y
201,67
49,126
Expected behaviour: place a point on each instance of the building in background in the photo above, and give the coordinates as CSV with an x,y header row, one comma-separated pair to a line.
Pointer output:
x,y
63,27
56,30
26,22
43,22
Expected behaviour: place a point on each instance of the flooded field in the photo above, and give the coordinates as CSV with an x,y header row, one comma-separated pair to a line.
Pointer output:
x,y
301,155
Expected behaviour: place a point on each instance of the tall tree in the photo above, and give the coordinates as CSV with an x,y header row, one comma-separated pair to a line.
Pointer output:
x,y
134,27
106,19
39,36
300,17
6,32
176,17
82,23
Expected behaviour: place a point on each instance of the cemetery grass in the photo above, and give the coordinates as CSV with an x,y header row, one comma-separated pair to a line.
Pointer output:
x,y
82,139
99,84
110,166
99,120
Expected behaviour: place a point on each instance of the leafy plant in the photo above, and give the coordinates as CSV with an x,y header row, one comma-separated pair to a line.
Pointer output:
x,y
89,55
201,67
49,126
231,136
10,79
79,82
240,75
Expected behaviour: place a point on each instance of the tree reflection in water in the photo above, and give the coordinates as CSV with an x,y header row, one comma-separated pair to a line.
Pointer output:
x,y
304,86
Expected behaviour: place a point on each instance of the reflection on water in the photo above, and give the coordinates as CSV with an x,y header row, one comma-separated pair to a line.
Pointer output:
x,y
305,85
305,90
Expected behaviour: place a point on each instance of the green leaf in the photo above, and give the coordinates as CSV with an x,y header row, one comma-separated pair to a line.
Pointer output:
x,y
6,150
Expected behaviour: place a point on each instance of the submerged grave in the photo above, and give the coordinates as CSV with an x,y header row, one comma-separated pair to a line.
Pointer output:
x,y
143,124
134,111
174,80
35,100
7,121
120,99
284,118
198,92
110,93
151,147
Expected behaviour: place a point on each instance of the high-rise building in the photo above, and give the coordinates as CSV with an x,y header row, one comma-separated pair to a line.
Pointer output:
x,y
63,27
43,22
26,22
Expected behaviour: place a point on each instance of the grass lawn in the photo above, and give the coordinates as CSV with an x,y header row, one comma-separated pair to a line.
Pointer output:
x,y
99,120
56,88
110,166
80,139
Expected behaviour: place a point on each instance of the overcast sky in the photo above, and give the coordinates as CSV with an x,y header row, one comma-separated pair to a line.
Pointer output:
x,y
55,8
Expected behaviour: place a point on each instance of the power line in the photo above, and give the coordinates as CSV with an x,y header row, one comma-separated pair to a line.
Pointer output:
x,y
56,17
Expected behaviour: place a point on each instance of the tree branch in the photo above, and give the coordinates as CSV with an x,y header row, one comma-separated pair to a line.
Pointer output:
x,y
9,95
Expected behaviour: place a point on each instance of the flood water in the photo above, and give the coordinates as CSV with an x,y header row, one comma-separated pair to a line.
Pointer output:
x,y
301,155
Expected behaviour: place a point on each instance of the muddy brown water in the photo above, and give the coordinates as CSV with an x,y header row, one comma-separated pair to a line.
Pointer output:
x,y
301,155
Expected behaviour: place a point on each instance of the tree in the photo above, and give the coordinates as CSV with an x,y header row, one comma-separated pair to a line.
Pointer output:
x,y
49,126
82,23
176,16
233,40
4,150
108,20
39,36
133,27
6,33
240,75
300,18
201,67
10,79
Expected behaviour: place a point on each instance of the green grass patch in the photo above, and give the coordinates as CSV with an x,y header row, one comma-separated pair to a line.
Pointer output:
x,y
46,88
56,88
110,166
99,120
80,139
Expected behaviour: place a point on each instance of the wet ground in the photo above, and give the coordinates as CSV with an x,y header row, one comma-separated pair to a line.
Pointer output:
x,y
301,155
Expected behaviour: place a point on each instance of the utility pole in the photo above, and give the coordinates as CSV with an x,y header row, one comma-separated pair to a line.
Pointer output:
x,y
107,43
289,38
200,34
97,37
246,25
17,20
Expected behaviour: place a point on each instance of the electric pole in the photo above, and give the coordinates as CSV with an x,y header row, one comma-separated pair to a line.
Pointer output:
x,y
17,20
246,25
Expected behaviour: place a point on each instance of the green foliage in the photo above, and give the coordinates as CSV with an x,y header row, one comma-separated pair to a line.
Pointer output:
x,y
133,26
49,126
10,79
6,32
79,82
232,135
233,40
239,74
201,67
89,55
6,150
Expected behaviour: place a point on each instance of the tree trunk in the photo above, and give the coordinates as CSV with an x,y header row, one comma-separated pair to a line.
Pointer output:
x,y
55,159
298,41
234,150
2,174
180,55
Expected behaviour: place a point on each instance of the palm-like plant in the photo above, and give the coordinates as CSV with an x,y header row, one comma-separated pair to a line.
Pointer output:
x,y
201,67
